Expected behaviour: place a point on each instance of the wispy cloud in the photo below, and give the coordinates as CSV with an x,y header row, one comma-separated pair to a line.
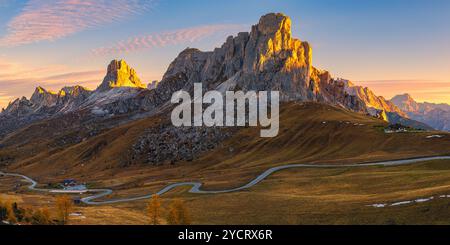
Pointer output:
x,y
168,38
44,20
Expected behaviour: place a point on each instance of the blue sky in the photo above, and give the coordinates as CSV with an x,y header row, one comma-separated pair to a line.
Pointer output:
x,y
390,46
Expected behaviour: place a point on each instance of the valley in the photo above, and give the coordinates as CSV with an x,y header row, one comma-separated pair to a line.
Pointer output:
x,y
297,196
314,195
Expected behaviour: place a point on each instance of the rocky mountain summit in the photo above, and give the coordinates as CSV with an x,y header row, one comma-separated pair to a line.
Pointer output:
x,y
269,58
435,115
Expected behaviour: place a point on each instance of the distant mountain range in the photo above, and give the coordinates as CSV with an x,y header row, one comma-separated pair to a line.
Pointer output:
x,y
435,115
267,58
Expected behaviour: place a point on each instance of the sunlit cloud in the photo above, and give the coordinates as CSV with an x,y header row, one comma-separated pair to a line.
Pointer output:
x,y
43,20
4,99
168,38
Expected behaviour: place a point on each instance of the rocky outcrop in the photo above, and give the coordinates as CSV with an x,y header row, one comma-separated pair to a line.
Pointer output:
x,y
435,115
19,107
119,74
152,85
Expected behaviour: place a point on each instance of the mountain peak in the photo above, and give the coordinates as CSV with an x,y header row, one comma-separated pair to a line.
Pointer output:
x,y
405,96
405,102
120,74
43,97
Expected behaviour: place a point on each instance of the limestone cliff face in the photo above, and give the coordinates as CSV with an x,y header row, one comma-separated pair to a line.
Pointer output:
x,y
267,58
119,74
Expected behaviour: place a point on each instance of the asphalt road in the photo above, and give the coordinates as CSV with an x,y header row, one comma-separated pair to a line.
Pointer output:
x,y
195,186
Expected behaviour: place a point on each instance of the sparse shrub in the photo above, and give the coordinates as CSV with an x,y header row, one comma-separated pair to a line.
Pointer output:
x,y
18,212
41,217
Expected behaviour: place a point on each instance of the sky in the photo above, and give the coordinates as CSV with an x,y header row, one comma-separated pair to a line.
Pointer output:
x,y
391,46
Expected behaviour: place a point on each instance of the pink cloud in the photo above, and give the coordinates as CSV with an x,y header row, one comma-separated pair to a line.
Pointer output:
x,y
169,38
43,20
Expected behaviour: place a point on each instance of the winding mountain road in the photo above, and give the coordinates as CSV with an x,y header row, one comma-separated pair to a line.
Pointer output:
x,y
195,186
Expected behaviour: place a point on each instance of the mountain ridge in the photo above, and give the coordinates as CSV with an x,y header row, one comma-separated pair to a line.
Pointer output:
x,y
266,58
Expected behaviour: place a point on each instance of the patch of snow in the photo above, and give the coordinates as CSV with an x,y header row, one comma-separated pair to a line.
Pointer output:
x,y
400,203
434,136
99,98
78,215
424,199
99,112
420,200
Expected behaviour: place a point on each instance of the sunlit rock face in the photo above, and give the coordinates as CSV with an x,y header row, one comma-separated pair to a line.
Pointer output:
x,y
119,74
